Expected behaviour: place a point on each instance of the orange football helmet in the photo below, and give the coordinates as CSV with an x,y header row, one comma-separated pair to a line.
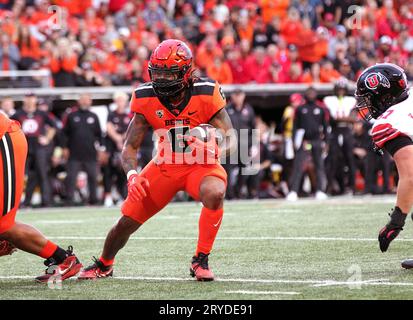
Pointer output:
x,y
170,68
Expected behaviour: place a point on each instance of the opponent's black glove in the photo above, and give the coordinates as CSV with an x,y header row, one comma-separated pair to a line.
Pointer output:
x,y
392,229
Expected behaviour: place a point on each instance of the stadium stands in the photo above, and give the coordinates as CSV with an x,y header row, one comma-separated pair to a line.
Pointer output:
x,y
103,43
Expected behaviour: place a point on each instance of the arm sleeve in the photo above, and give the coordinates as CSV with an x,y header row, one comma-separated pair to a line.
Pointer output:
x,y
218,102
397,143
383,133
136,105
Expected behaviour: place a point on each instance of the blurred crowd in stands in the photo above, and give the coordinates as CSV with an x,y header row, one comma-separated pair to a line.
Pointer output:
x,y
320,147
108,42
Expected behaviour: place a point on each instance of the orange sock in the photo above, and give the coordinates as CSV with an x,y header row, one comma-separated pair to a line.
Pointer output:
x,y
48,250
209,223
105,262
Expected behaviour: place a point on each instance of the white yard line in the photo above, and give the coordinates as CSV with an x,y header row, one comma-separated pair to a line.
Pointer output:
x,y
331,201
237,238
16,277
246,280
290,293
329,283
312,283
60,221
186,279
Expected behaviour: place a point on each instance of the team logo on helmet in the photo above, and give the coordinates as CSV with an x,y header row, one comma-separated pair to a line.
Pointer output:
x,y
184,52
159,113
373,80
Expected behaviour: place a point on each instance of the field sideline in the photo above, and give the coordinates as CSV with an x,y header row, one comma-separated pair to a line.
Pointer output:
x,y
265,250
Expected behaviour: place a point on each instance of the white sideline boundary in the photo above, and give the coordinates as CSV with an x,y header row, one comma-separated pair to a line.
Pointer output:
x,y
237,238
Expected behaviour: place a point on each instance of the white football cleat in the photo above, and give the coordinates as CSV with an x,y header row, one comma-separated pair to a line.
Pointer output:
x,y
292,196
108,202
320,195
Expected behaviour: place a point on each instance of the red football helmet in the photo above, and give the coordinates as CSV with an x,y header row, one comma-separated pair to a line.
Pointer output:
x,y
170,68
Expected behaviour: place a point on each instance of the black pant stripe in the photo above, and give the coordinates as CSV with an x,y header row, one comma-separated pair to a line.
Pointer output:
x,y
13,171
5,177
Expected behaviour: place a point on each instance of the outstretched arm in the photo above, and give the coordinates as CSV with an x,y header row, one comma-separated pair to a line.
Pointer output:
x,y
223,123
134,137
403,159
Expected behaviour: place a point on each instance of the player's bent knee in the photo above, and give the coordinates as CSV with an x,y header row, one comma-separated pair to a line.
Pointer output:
x,y
213,199
127,225
212,192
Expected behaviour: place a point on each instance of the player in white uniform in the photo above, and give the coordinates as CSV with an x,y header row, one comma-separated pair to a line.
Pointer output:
x,y
395,121
341,106
382,93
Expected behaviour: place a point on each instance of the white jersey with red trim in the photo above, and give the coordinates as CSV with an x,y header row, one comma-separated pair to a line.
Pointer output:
x,y
395,121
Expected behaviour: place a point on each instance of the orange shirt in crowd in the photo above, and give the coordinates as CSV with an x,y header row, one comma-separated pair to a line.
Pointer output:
x,y
274,8
75,7
291,30
36,18
205,58
222,74
67,64
307,78
310,47
247,32
107,65
383,11
329,75
209,5
30,50
95,25
8,28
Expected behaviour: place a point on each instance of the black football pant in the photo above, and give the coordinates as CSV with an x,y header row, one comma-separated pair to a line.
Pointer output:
x,y
37,167
235,180
113,174
373,165
299,166
341,150
73,168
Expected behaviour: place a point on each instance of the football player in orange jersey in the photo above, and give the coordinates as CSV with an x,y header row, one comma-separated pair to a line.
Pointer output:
x,y
174,102
62,264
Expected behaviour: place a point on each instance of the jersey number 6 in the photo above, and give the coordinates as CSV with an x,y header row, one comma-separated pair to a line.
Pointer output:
x,y
176,138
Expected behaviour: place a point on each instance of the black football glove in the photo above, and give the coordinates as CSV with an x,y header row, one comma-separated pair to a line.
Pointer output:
x,y
392,229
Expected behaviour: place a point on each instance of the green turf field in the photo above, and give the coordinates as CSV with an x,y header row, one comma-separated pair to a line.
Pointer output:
x,y
265,250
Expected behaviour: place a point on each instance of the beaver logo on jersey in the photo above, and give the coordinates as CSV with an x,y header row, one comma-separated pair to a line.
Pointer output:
x,y
375,79
159,113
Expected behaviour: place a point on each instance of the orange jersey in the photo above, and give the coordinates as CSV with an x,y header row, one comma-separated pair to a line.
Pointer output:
x,y
202,102
13,151
4,124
